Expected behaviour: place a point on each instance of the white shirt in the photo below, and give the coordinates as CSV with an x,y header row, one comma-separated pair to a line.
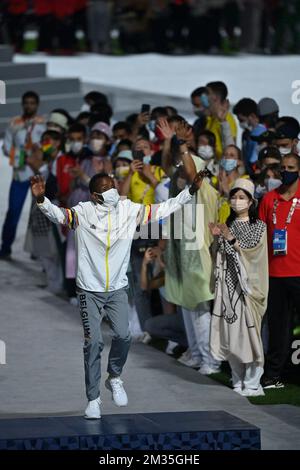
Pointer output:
x,y
104,235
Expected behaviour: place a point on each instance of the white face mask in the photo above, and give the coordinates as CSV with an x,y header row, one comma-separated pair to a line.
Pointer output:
x,y
272,183
239,205
96,145
147,159
76,147
285,150
298,147
206,152
110,197
245,125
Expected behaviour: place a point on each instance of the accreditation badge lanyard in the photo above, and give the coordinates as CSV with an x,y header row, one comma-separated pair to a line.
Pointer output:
x,y
280,235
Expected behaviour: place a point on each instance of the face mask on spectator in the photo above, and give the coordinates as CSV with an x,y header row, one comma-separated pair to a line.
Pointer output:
x,y
204,100
228,164
206,152
298,147
239,205
260,191
285,150
289,177
246,126
96,145
76,146
147,159
272,183
121,172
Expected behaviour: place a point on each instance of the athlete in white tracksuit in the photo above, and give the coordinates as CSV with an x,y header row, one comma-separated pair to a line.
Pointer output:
x,y
104,229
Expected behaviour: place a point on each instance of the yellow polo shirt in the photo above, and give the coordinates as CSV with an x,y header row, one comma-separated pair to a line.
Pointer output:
x,y
213,125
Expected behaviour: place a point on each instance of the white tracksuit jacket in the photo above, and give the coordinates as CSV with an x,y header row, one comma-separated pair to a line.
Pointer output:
x,y
104,236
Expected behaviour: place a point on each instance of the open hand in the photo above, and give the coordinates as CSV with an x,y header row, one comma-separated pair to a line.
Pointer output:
x,y
38,186
214,229
165,129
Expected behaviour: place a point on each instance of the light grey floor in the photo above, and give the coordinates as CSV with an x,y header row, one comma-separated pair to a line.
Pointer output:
x,y
44,370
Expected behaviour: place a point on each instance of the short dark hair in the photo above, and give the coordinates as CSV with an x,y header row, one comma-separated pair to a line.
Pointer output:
x,y
77,127
198,91
83,115
219,88
159,111
253,213
127,142
120,125
94,180
53,135
96,96
209,135
294,156
246,106
171,111
31,94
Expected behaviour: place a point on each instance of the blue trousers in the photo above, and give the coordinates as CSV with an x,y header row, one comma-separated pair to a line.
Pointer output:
x,y
17,195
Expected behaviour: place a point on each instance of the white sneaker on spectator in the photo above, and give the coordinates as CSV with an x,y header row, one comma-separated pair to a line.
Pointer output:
x,y
186,355
187,360
146,338
93,410
170,347
119,396
206,370
253,392
238,390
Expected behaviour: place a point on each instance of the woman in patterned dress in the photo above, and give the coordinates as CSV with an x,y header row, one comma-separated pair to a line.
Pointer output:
x,y
241,290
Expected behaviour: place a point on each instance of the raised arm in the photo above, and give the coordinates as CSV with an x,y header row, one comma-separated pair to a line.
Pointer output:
x,y
154,212
56,214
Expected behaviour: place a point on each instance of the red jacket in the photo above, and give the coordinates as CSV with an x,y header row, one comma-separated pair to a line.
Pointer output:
x,y
64,179
43,7
61,9
17,7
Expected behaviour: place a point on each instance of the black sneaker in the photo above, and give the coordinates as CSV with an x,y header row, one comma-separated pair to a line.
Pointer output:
x,y
274,382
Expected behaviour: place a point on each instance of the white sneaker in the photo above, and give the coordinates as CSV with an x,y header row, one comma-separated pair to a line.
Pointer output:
x,y
206,370
119,396
93,411
238,390
185,356
253,392
189,362
146,338
170,347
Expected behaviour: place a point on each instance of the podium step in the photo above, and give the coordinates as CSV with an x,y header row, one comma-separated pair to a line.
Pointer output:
x,y
195,430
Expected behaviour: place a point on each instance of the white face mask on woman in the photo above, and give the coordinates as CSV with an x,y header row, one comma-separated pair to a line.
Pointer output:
x,y
96,145
206,152
239,205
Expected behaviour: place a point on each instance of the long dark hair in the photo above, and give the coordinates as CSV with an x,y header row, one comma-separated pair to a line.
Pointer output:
x,y
253,213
